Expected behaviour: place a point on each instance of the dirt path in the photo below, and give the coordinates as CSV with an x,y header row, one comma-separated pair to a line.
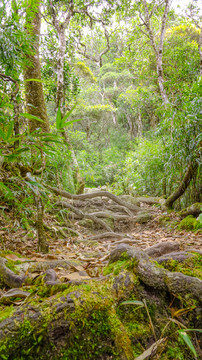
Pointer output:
x,y
91,255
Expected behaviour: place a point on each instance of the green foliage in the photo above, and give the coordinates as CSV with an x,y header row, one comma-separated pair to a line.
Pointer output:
x,y
61,122
187,339
85,70
189,223
200,218
143,169
181,51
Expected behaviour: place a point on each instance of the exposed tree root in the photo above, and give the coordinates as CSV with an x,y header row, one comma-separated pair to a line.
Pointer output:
x,y
77,317
8,277
162,248
93,195
82,215
159,278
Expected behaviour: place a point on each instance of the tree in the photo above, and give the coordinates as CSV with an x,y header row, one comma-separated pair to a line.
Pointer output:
x,y
34,94
157,44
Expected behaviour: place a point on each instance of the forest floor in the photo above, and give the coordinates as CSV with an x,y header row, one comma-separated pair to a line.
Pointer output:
x,y
89,255
41,295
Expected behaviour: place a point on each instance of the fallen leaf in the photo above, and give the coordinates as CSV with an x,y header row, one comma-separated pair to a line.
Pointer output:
x,y
57,251
77,276
77,267
51,257
36,258
14,257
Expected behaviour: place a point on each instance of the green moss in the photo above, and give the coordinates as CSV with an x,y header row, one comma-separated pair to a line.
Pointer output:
x,y
11,265
5,312
164,219
189,223
191,267
118,266
136,322
95,327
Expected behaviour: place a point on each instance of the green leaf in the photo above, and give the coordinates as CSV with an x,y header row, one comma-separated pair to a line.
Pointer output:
x,y
6,191
199,218
187,340
21,150
32,117
10,131
60,122
132,302
69,113
199,330
58,119
38,80
3,134
71,122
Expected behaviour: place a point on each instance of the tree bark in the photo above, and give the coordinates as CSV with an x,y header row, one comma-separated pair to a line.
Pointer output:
x,y
192,168
158,50
60,98
42,243
16,108
60,27
34,95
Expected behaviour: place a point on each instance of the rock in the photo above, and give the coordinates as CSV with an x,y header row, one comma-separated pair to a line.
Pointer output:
x,y
129,199
194,209
148,200
88,223
162,202
143,217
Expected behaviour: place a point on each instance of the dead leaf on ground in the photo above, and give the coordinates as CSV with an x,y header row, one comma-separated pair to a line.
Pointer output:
x,y
51,257
14,257
37,258
76,276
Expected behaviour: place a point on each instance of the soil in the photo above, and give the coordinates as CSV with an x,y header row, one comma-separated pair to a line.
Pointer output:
x,y
91,253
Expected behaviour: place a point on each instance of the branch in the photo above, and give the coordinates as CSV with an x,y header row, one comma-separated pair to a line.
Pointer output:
x,y
97,59
82,215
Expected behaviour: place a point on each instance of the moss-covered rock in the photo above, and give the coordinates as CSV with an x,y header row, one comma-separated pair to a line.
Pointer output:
x,y
88,223
189,223
192,266
143,217
194,209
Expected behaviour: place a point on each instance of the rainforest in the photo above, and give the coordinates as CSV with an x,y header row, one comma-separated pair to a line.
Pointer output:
x,y
100,179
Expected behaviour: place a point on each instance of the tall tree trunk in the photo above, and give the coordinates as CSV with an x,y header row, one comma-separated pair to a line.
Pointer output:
x,y
158,50
139,125
60,100
34,95
190,172
60,27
